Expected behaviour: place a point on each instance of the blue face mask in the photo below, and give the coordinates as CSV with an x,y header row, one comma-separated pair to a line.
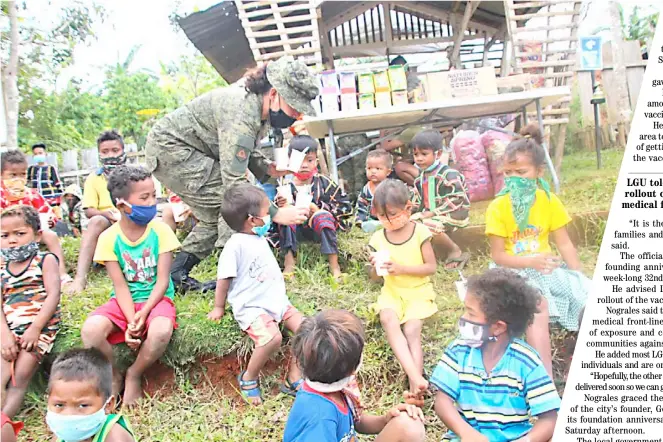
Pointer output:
x,y
433,166
40,158
141,215
76,428
262,231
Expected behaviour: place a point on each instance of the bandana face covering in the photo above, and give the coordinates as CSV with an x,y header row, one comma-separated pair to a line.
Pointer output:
x,y
522,192
109,163
473,334
395,222
15,188
21,253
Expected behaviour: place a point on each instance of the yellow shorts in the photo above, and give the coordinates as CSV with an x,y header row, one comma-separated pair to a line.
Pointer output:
x,y
407,308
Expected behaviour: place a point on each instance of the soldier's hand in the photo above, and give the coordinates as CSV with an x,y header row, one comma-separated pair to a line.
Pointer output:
x,y
271,171
288,216
280,201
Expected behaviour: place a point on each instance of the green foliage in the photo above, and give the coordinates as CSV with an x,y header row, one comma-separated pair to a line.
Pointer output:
x,y
190,77
639,26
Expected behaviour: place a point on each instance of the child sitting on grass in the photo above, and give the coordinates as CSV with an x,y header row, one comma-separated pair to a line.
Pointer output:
x,y
378,167
79,398
329,348
14,167
30,316
331,210
407,296
97,203
519,223
73,214
513,383
440,197
250,279
137,253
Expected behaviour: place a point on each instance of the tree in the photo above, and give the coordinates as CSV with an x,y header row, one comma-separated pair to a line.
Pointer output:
x,y
10,77
638,26
619,71
190,77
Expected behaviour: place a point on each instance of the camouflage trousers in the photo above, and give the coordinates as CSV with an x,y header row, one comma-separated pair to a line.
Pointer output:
x,y
353,171
196,178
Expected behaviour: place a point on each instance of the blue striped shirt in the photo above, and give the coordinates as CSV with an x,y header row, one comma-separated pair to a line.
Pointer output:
x,y
497,404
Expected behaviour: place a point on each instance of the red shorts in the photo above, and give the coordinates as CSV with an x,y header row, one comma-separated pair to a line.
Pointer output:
x,y
111,310
264,327
16,426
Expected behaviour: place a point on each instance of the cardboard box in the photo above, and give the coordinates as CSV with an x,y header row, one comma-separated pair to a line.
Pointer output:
x,y
399,98
329,83
382,99
381,82
461,84
366,101
348,82
514,83
348,102
329,103
366,85
397,78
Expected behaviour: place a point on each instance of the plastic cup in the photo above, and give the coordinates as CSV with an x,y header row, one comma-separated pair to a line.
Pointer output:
x,y
296,160
178,212
281,158
44,218
286,192
304,199
380,259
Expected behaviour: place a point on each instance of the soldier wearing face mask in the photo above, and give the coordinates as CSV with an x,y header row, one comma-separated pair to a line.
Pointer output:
x,y
205,147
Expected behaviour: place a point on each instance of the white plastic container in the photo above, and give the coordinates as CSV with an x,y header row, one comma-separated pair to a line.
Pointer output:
x,y
304,199
381,258
296,160
281,158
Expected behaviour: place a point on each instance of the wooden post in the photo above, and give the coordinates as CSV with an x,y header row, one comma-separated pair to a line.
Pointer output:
x,y
459,32
388,31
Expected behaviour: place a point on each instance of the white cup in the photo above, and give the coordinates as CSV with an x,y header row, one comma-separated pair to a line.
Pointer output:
x,y
281,158
286,192
44,218
296,160
304,199
381,258
178,211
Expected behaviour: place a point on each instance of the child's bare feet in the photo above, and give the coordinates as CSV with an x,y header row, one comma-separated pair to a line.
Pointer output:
x,y
418,386
413,399
76,287
133,389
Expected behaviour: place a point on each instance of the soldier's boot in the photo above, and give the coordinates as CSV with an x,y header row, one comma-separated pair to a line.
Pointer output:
x,y
179,272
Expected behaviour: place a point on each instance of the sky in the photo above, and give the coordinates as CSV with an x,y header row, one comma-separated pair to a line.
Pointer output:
x,y
145,22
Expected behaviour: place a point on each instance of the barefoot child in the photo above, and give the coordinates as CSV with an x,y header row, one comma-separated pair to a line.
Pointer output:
x,y
513,383
329,347
378,167
441,201
331,210
13,191
137,252
520,222
30,316
407,296
79,398
250,279
99,208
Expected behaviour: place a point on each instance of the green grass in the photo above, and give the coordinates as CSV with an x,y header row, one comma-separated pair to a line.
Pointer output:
x,y
200,402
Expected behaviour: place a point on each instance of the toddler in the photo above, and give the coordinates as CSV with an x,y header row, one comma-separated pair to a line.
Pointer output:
x,y
72,210
250,279
379,164
30,316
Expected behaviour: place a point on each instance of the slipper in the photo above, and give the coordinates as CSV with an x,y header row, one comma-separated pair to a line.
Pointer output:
x,y
460,261
249,389
291,388
289,276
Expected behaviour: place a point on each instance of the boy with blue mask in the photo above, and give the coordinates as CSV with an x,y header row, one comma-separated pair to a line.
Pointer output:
x,y
491,382
250,279
137,252
79,396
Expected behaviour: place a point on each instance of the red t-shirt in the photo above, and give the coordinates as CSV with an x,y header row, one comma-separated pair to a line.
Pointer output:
x,y
30,198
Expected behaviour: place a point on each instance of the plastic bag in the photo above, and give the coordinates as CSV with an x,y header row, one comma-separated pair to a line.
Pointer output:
x,y
495,143
472,162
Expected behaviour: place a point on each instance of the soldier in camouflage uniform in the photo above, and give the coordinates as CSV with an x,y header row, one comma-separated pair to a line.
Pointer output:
x,y
205,147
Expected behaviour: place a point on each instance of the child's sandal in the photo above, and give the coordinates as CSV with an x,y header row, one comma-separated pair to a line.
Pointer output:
x,y
249,389
291,389
289,276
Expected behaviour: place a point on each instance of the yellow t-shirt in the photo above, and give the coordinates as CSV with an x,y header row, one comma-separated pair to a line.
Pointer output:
x,y
138,259
545,216
95,193
408,253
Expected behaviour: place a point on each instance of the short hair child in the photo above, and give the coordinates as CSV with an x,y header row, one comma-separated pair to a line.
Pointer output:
x,y
91,368
97,203
448,207
328,348
12,157
379,164
330,210
521,222
499,306
407,296
29,278
145,317
250,279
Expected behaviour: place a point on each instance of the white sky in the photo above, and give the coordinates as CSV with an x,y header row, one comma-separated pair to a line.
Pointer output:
x,y
145,22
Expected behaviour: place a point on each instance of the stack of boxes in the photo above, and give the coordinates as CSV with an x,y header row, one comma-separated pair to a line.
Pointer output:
x,y
348,82
330,91
398,84
366,91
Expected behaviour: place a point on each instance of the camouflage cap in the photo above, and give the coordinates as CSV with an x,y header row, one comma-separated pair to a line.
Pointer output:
x,y
295,82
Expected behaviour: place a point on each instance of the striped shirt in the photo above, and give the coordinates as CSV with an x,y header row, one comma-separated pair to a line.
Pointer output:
x,y
46,181
497,404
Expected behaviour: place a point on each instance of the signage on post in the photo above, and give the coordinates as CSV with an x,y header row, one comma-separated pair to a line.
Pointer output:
x,y
591,56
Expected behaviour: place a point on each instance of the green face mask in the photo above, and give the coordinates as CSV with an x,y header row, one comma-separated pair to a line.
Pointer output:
x,y
522,192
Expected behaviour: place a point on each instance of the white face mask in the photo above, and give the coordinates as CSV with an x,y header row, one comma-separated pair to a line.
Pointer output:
x,y
338,385
474,334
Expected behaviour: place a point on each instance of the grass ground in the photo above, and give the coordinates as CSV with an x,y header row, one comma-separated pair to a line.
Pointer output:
x,y
192,394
